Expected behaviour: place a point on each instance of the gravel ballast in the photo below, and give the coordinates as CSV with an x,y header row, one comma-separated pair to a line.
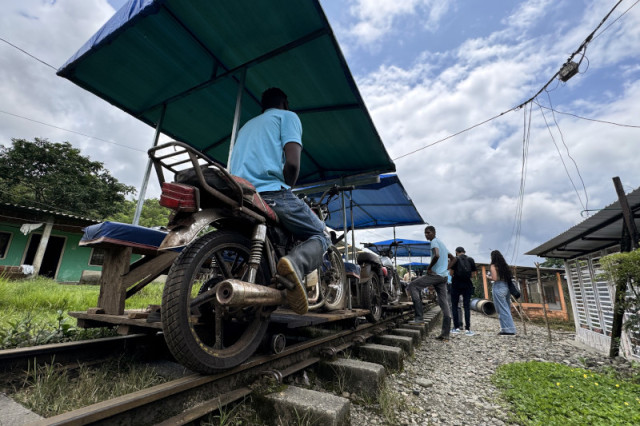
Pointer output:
x,y
449,383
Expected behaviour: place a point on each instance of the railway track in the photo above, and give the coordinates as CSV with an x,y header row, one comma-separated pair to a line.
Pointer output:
x,y
192,397
84,351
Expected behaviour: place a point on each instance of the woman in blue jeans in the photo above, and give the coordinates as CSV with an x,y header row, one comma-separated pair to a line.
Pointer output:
x,y
501,275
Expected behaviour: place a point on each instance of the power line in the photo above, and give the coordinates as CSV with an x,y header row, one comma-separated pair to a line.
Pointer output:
x,y
72,131
562,159
29,54
454,134
587,118
582,49
586,195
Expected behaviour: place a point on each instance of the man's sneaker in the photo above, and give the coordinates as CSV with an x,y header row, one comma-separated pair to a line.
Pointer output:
x,y
416,321
469,333
455,331
443,338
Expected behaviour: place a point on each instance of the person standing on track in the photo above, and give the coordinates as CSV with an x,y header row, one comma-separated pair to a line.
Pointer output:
x,y
436,277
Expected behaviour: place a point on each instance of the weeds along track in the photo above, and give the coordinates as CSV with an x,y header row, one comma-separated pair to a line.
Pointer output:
x,y
87,352
192,397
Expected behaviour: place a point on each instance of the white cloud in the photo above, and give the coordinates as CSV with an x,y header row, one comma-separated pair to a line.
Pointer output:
x,y
375,19
468,186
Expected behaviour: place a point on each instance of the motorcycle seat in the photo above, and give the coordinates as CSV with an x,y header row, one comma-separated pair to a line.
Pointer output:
x,y
252,197
218,179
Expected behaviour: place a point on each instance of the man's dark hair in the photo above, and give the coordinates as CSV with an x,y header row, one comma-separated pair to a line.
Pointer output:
x,y
430,228
272,98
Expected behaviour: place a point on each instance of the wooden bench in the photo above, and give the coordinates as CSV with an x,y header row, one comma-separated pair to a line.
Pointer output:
x,y
121,279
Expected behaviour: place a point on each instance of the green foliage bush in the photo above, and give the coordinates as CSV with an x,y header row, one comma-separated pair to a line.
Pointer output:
x,y
625,268
554,394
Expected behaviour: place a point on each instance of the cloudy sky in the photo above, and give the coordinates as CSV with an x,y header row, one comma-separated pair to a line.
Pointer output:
x,y
427,70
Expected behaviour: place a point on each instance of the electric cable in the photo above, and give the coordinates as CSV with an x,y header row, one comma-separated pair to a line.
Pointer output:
x,y
561,159
586,195
589,119
72,131
29,54
615,20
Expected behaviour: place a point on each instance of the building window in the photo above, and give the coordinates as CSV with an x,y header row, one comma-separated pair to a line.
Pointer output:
x,y
97,257
5,239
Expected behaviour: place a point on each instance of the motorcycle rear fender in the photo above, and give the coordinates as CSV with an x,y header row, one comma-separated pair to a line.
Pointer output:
x,y
186,230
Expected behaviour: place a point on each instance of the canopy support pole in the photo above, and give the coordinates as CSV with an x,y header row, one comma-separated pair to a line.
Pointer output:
x,y
346,249
236,114
147,172
353,231
395,258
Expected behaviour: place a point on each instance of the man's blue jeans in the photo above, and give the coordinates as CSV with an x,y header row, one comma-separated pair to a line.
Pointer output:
x,y
296,216
502,300
439,283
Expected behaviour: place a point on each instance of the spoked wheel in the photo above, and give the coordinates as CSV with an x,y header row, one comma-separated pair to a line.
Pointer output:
x,y
201,335
372,299
333,279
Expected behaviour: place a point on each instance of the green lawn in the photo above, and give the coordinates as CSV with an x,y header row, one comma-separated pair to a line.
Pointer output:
x,y
555,394
36,311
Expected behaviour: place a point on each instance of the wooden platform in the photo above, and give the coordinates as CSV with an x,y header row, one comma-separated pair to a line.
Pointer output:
x,y
133,322
292,320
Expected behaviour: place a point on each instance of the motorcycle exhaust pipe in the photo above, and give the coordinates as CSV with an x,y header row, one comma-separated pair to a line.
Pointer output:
x,y
234,292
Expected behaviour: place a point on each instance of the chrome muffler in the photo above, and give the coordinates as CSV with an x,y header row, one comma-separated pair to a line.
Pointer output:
x,y
234,292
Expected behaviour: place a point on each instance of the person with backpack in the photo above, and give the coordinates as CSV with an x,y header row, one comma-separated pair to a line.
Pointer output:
x,y
464,268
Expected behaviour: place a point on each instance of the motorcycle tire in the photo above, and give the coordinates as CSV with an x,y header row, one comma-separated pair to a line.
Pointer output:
x,y
371,298
334,281
200,338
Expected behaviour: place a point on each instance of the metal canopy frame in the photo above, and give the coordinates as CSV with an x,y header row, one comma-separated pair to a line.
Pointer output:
x,y
598,232
197,56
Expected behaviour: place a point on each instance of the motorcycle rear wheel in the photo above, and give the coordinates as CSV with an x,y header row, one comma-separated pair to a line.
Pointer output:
x,y
200,338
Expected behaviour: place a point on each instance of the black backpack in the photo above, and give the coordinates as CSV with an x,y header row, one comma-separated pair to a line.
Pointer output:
x,y
463,267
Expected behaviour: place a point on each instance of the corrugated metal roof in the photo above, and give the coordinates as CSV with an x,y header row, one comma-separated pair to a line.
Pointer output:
x,y
598,232
41,212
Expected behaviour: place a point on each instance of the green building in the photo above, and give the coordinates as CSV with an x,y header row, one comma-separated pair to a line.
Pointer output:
x,y
47,243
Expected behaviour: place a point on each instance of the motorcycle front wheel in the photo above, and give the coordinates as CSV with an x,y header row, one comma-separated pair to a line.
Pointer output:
x,y
334,280
371,298
201,336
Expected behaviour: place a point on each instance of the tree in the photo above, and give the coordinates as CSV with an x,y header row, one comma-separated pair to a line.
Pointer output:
x,y
624,271
552,262
54,176
152,214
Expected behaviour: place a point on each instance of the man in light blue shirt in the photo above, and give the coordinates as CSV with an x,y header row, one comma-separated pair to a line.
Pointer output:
x,y
436,276
267,154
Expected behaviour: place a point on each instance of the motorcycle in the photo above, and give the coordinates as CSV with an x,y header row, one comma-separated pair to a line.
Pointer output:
x,y
223,287
391,288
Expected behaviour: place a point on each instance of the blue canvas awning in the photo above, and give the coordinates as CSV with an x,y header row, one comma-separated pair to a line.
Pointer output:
x,y
196,70
404,247
375,205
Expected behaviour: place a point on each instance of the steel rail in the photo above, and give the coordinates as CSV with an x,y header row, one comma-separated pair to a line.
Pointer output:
x,y
188,398
77,351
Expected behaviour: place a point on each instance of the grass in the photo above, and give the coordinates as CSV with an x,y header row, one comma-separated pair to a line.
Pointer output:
x,y
35,311
49,391
555,394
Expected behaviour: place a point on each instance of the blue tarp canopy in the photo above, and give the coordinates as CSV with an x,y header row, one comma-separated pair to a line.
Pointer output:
x,y
375,205
403,247
196,70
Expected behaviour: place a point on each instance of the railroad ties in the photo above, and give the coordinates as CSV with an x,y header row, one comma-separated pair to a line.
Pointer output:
x,y
372,348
